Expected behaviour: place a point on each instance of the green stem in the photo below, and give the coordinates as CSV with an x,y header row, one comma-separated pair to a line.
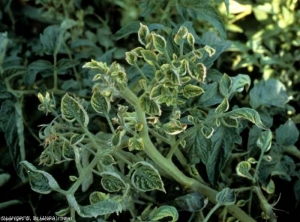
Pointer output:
x,y
141,72
168,166
55,77
211,212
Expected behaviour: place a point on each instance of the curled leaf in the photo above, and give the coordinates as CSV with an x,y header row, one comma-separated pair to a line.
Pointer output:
x,y
146,177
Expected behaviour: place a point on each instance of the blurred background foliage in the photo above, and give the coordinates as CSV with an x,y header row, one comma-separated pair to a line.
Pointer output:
x,y
264,36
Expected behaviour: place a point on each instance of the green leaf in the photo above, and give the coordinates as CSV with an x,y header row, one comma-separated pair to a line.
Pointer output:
x,y
4,177
64,64
201,10
149,56
264,141
34,68
223,142
242,169
211,96
191,91
226,197
192,202
149,106
174,127
11,124
4,42
135,144
132,27
50,38
268,93
72,110
223,107
239,82
146,178
40,181
112,182
287,134
197,147
164,211
297,190
198,72
143,34
225,85
248,114
159,43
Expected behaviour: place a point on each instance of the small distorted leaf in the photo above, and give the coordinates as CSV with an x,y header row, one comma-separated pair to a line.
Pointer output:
x,y
226,197
97,196
207,131
211,51
76,138
63,212
243,168
180,35
143,34
159,76
229,122
72,110
119,76
223,107
270,188
73,178
225,85
162,212
149,106
130,58
239,82
135,144
99,66
100,208
247,113
117,137
159,43
174,127
264,141
149,56
172,77
100,103
40,181
107,160
146,178
198,72
192,202
191,91
112,182
191,39
158,91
